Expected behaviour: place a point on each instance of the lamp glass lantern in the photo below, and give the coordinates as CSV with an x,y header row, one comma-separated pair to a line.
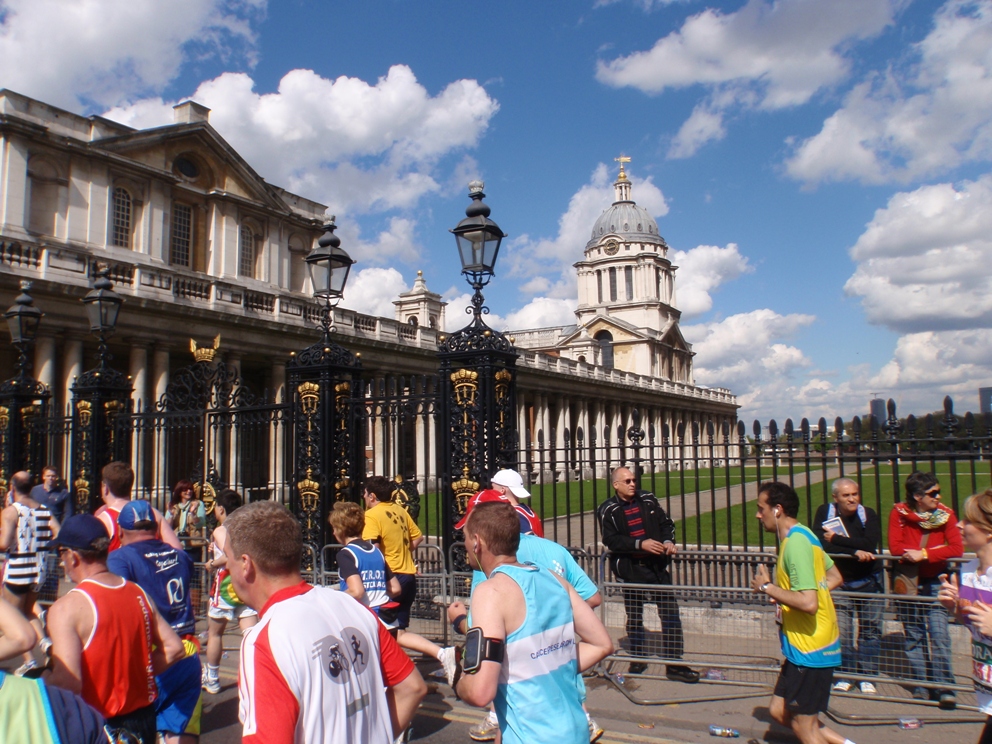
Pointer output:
x,y
23,318
328,266
103,305
477,236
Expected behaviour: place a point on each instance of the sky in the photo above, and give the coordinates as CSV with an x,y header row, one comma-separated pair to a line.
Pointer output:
x,y
820,168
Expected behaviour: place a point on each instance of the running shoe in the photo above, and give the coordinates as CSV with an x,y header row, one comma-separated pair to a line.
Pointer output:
x,y
595,730
485,731
448,657
842,686
211,685
867,688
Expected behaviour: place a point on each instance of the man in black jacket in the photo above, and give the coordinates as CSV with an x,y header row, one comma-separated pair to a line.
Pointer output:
x,y
641,539
862,573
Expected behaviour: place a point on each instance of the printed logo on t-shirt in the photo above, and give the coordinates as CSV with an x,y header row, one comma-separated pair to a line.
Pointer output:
x,y
338,657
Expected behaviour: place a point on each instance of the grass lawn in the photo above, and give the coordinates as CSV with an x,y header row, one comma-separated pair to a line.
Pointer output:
x,y
576,496
876,492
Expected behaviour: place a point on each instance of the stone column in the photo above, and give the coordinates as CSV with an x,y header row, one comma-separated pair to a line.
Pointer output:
x,y
44,361
229,459
277,438
72,366
159,486
138,369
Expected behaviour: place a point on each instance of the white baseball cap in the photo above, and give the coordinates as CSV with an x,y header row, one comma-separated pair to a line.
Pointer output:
x,y
512,480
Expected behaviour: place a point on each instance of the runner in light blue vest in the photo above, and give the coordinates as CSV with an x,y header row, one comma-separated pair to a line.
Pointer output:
x,y
536,699
530,619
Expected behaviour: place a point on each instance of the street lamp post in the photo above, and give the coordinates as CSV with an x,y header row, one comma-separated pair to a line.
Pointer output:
x,y
100,397
23,399
325,383
477,376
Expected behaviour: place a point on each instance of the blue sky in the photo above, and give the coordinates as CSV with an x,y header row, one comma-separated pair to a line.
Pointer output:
x,y
819,167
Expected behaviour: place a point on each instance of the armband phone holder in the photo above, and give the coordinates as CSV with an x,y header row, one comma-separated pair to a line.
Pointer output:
x,y
478,649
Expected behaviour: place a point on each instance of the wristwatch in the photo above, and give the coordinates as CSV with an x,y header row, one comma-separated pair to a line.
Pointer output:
x,y
763,587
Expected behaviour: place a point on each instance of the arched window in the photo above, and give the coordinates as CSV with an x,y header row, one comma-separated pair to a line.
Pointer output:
x,y
605,341
246,252
412,320
182,235
121,222
613,284
628,278
599,286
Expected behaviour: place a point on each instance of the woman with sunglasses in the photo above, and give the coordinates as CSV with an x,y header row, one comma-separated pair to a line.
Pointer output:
x,y
971,600
925,533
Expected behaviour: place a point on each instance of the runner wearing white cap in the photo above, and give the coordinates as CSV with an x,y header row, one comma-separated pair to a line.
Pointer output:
x,y
510,484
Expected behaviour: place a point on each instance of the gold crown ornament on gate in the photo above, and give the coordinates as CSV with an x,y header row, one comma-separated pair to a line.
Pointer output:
x,y
204,354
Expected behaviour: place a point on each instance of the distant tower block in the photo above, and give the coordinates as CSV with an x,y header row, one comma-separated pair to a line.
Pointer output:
x,y
985,399
877,408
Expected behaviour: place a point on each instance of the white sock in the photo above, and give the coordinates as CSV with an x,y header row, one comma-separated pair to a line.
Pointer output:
x,y
848,741
213,672
492,716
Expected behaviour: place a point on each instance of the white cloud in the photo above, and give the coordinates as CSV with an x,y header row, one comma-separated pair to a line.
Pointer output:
x,y
372,291
701,271
543,312
704,125
923,260
746,353
305,135
551,259
918,120
646,5
104,52
397,243
767,55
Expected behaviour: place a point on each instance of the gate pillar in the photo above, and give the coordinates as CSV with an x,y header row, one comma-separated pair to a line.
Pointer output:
x,y
325,388
477,414
101,402
23,399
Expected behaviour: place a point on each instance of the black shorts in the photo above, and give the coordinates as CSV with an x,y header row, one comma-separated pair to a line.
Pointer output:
x,y
408,593
806,690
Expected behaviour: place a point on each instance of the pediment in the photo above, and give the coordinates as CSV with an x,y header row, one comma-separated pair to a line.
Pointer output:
x,y
672,336
219,167
622,332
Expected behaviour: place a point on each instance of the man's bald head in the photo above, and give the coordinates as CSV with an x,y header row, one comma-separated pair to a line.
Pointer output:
x,y
21,483
624,483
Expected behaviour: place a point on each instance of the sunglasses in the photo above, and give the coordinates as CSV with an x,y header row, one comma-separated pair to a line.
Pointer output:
x,y
933,493
629,480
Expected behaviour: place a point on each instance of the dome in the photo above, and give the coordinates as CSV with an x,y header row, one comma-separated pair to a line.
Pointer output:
x,y
631,222
624,218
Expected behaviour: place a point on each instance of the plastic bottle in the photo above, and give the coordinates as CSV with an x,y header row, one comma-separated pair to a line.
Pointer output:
x,y
618,678
727,733
910,723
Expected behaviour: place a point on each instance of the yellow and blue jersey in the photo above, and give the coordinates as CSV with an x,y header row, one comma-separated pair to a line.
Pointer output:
x,y
807,640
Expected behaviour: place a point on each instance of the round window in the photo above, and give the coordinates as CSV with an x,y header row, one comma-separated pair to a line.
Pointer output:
x,y
186,167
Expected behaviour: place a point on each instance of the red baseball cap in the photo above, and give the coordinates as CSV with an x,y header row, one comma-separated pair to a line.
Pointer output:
x,y
481,497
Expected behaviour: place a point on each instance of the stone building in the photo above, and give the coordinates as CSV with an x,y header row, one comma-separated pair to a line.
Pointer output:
x,y
200,245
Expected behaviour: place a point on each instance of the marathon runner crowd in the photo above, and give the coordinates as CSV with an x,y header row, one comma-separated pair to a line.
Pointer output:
x,y
117,658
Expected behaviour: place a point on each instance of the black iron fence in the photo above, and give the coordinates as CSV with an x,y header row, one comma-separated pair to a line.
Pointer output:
x,y
705,476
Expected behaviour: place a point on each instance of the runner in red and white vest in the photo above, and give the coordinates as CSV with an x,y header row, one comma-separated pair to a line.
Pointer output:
x,y
108,640
117,479
322,680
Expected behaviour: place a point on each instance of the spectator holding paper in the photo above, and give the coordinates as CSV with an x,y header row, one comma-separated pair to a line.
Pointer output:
x,y
852,532
971,598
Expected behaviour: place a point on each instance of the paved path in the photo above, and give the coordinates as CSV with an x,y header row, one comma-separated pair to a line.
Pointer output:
x,y
581,529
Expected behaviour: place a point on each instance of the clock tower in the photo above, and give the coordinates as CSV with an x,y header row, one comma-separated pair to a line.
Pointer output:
x,y
626,316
